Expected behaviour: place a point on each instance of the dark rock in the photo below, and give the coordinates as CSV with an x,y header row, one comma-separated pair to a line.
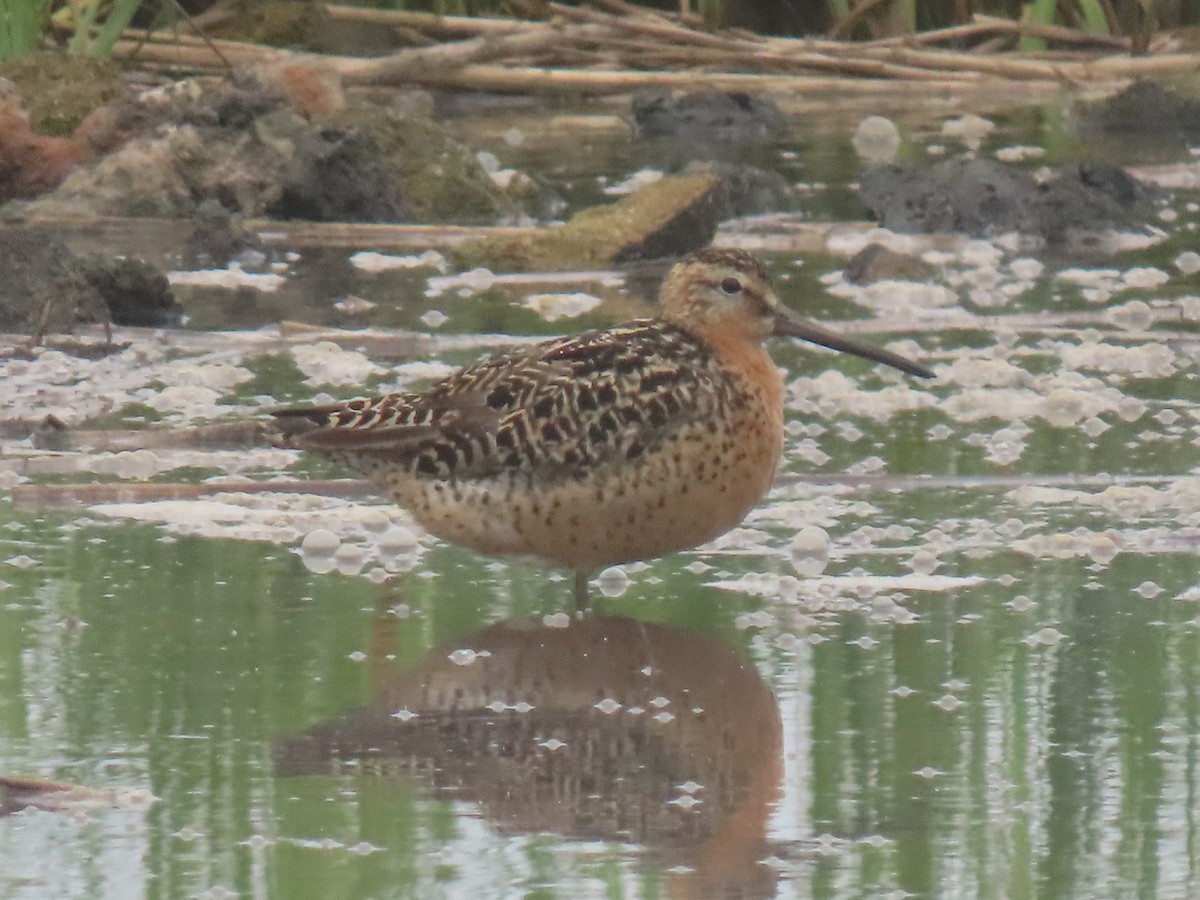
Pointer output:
x,y
983,197
705,115
45,288
737,190
52,433
217,237
337,176
442,179
49,289
238,103
690,227
875,262
1112,181
746,190
136,292
956,195
1145,111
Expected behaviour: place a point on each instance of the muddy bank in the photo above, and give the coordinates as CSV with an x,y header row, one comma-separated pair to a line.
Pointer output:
x,y
281,141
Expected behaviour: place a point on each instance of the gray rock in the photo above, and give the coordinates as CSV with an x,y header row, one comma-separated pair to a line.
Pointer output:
x,y
1144,111
705,115
982,197
48,288
135,292
45,288
746,190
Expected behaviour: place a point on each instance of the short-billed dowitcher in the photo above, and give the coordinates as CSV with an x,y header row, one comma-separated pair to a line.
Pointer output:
x,y
601,448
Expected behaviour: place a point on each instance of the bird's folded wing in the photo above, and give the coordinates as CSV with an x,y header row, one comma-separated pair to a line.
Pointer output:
x,y
560,411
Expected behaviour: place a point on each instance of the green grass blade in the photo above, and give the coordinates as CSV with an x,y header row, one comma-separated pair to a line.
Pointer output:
x,y
81,40
1094,20
20,26
116,22
840,9
713,12
107,33
1041,12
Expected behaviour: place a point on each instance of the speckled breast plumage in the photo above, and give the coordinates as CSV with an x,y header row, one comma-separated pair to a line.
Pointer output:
x,y
596,449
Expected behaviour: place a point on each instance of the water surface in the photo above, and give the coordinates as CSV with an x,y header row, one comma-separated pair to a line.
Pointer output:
x,y
982,681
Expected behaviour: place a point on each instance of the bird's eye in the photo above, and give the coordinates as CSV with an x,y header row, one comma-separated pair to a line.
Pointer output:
x,y
731,286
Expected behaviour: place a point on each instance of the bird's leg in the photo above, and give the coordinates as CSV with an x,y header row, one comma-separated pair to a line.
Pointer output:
x,y
581,591
385,625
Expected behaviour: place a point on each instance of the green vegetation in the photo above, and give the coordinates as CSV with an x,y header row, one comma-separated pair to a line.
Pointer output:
x,y
1042,12
21,23
97,28
1091,18
1094,19
94,25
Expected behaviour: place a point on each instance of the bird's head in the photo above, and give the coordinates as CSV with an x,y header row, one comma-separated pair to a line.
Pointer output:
x,y
719,293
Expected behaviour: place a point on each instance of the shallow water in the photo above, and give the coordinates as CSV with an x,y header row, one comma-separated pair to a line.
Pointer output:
x,y
955,652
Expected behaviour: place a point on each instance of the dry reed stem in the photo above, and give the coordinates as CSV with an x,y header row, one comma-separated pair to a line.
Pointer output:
x,y
990,26
573,81
445,26
1057,33
405,64
615,47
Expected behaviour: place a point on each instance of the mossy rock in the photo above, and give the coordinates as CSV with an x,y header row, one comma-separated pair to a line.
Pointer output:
x,y
670,217
60,89
441,178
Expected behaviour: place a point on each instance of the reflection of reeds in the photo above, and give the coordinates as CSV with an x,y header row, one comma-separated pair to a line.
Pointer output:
x,y
620,715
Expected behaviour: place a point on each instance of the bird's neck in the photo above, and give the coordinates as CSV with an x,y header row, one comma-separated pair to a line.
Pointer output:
x,y
744,357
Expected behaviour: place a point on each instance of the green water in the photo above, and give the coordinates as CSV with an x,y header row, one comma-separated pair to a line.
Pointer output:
x,y
1066,771
1028,726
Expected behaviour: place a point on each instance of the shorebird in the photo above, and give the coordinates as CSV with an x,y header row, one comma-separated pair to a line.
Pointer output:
x,y
606,447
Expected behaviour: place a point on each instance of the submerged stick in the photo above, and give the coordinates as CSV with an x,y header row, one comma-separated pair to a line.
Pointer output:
x,y
58,796
59,495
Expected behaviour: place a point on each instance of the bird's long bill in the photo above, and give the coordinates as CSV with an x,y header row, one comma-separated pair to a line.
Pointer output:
x,y
789,324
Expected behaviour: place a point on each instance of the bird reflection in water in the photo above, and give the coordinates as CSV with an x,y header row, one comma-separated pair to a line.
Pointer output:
x,y
608,729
